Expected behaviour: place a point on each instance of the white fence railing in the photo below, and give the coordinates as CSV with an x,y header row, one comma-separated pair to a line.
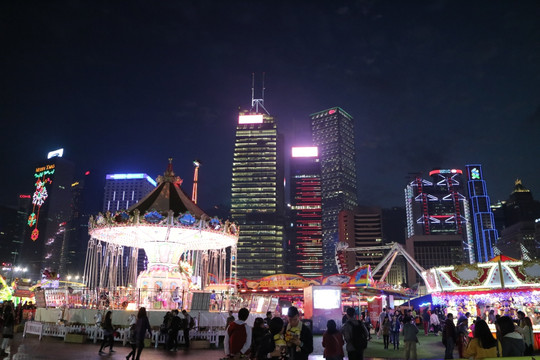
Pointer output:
x,y
92,332
95,333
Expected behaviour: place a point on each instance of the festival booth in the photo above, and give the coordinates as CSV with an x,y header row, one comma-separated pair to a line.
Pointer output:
x,y
319,299
503,284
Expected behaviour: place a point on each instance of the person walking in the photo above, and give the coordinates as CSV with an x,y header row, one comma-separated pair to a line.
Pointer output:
x,y
483,344
449,336
511,341
238,335
189,324
143,325
108,334
528,336
269,347
435,323
395,328
409,338
462,329
8,315
268,318
382,315
298,336
132,337
386,332
174,329
332,342
425,320
355,335
257,334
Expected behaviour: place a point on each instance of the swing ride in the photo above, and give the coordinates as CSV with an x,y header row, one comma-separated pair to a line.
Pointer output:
x,y
186,249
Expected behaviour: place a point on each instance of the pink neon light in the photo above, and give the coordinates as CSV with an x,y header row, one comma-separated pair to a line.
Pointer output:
x,y
333,111
250,119
24,196
452,171
305,151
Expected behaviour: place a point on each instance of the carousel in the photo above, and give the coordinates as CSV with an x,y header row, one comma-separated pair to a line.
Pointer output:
x,y
502,286
186,250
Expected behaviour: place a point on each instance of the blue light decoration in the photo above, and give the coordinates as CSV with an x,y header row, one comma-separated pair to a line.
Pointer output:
x,y
187,219
131,176
153,217
215,223
485,234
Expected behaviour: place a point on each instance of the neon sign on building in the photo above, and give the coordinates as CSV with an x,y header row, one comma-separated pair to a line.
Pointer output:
x,y
42,176
305,151
250,119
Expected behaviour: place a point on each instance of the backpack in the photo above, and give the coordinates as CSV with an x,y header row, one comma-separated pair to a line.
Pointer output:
x,y
359,338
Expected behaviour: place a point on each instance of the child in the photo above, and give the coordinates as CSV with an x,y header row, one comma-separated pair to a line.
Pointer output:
x,y
131,337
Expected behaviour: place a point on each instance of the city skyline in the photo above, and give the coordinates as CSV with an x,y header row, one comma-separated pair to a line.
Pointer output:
x,y
427,88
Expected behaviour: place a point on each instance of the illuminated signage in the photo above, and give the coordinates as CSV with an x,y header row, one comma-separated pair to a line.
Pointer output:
x,y
305,151
475,174
130,176
40,195
55,153
448,171
24,196
326,298
333,111
250,119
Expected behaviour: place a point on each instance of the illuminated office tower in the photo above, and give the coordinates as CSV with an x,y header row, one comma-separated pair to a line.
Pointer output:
x,y
485,234
362,227
257,195
124,190
46,243
439,230
333,133
306,242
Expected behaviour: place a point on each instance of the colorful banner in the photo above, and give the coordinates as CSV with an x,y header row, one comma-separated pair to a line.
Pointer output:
x,y
362,276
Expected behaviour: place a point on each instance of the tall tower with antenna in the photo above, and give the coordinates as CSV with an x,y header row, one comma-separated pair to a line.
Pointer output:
x,y
255,103
257,191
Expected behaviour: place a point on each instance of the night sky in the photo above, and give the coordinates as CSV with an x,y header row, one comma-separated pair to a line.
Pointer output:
x,y
122,86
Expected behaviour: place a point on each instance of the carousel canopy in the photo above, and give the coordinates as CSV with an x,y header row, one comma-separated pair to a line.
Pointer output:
x,y
168,195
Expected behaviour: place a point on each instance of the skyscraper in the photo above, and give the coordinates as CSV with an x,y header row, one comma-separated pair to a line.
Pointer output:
x,y
257,195
46,246
439,230
362,227
306,241
520,215
124,190
485,234
333,133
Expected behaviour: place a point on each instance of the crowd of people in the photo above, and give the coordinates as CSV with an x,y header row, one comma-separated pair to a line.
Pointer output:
x,y
475,340
269,338
278,339
290,339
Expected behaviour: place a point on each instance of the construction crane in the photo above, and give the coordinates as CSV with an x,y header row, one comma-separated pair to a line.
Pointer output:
x,y
395,250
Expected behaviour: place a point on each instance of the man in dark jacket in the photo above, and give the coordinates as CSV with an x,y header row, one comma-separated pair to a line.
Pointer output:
x,y
353,352
175,326
449,336
298,336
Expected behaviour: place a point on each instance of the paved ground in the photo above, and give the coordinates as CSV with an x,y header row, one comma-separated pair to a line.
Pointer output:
x,y
55,348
